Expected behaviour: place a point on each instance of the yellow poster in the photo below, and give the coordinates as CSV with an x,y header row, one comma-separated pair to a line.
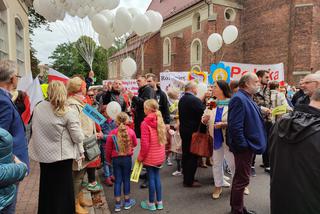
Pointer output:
x,y
279,110
136,171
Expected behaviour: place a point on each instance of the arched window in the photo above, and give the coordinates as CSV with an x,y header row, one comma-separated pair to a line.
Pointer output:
x,y
3,31
20,45
196,22
167,51
196,52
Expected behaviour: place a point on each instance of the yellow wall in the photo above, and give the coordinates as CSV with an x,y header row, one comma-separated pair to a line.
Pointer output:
x,y
16,9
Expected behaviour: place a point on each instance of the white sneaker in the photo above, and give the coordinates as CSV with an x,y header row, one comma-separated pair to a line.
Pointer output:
x,y
225,184
169,163
246,191
176,173
226,178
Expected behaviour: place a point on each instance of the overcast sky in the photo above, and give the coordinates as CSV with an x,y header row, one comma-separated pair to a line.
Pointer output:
x,y
70,30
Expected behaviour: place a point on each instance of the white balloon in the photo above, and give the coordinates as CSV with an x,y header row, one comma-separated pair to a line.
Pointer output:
x,y
99,23
153,18
128,66
113,109
105,42
122,21
214,42
230,34
108,14
141,24
158,22
202,89
134,11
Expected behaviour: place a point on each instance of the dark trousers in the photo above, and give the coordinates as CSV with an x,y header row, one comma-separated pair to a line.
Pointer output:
x,y
56,193
189,160
122,172
91,174
240,180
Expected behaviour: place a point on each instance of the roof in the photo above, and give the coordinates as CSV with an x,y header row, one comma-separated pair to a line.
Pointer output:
x,y
169,8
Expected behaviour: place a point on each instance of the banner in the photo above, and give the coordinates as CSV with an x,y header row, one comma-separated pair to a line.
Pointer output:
x,y
130,85
94,114
276,71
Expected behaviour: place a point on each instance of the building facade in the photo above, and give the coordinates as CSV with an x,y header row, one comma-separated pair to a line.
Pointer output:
x,y
14,33
270,32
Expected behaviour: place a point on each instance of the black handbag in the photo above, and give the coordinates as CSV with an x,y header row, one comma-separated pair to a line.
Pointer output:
x,y
91,148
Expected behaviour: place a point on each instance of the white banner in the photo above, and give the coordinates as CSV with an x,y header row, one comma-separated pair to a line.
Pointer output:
x,y
276,71
130,85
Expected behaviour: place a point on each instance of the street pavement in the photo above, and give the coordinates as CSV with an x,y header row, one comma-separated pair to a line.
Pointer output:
x,y
178,199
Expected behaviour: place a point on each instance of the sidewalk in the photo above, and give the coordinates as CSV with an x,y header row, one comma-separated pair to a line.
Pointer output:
x,y
29,189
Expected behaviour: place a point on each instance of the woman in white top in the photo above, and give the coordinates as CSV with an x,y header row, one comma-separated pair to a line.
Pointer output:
x,y
216,119
56,132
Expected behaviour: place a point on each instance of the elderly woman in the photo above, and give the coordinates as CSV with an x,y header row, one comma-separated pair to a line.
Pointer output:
x,y
216,119
77,100
54,143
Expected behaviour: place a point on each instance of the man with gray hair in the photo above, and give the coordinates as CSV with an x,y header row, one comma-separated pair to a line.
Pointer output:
x,y
10,119
295,160
309,85
190,110
246,137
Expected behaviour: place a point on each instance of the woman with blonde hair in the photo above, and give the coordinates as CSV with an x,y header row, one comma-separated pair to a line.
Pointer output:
x,y
54,143
152,152
76,91
119,148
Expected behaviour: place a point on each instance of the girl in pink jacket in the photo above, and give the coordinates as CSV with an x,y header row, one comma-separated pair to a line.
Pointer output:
x,y
152,153
119,147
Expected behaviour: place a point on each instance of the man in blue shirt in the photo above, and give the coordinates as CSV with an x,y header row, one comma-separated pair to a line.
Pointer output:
x,y
247,136
10,119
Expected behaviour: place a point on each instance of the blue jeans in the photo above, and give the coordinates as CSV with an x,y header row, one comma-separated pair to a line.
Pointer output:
x,y
122,172
154,183
107,169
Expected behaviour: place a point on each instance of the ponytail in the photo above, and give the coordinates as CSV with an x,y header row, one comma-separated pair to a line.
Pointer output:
x,y
124,141
161,129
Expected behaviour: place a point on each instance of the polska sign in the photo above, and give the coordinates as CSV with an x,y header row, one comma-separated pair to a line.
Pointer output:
x,y
276,71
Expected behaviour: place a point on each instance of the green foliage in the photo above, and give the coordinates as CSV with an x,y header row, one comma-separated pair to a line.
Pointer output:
x,y
67,60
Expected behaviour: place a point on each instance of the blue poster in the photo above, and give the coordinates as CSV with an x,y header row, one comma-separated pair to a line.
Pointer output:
x,y
94,114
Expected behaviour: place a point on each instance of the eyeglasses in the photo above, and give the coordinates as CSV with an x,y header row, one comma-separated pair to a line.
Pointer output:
x,y
91,95
307,82
18,76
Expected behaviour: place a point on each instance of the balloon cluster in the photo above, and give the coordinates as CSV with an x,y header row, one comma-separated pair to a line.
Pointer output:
x,y
229,35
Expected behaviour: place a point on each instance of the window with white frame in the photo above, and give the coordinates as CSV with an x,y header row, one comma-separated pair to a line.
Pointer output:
x,y
196,22
167,51
196,52
20,45
3,32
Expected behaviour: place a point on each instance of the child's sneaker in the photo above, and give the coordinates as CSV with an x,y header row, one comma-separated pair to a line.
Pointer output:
x,y
176,173
117,207
130,203
108,181
94,187
148,206
169,163
84,184
160,205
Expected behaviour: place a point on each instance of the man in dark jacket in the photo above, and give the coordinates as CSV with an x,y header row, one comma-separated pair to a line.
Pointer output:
x,y
190,110
309,85
114,95
161,97
295,160
145,92
246,137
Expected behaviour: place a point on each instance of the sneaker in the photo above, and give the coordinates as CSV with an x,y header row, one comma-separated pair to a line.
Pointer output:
x,y
108,181
226,178
225,184
129,204
253,172
96,187
169,163
267,169
144,185
176,173
84,184
117,207
246,191
148,206
159,205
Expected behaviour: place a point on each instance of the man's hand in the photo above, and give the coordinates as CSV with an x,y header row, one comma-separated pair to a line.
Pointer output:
x,y
130,94
220,125
205,119
265,110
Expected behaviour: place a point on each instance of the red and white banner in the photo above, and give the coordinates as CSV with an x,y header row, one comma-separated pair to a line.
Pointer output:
x,y
128,85
56,75
276,71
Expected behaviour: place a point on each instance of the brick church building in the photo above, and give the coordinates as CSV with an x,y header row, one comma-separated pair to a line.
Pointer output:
x,y
270,32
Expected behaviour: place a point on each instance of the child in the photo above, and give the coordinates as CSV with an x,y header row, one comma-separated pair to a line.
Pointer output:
x,y
152,153
120,144
106,128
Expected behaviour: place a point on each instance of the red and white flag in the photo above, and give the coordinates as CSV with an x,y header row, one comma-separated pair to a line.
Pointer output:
x,y
56,75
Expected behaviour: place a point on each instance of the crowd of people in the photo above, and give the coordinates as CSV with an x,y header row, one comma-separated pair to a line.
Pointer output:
x,y
239,117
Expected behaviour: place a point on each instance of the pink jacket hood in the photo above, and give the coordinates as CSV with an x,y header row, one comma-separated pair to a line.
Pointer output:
x,y
151,120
